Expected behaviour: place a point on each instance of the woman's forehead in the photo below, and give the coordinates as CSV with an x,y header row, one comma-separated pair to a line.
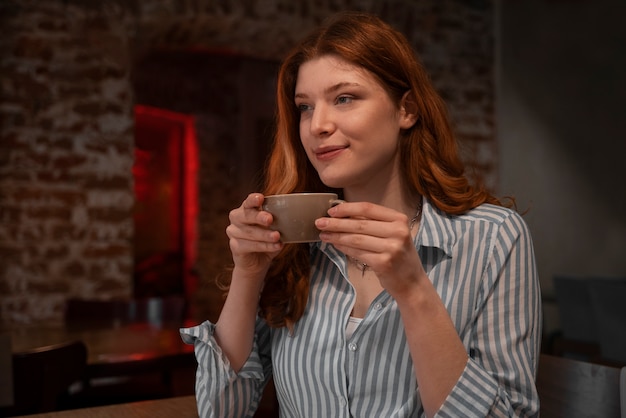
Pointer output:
x,y
329,70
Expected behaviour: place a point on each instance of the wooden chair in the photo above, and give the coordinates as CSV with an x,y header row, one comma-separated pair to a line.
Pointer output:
x,y
42,377
572,388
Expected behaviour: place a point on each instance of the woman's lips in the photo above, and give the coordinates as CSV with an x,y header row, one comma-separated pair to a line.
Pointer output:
x,y
328,153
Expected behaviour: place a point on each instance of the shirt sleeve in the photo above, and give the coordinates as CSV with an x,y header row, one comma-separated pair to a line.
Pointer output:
x,y
504,344
220,391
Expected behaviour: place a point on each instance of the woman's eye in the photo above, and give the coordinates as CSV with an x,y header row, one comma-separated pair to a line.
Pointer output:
x,y
344,99
302,107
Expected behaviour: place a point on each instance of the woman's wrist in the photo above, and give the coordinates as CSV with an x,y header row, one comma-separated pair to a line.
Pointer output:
x,y
247,281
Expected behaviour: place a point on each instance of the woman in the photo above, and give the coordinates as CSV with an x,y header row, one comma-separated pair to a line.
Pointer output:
x,y
422,297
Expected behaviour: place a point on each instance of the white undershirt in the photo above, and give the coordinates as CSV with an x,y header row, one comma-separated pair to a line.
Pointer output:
x,y
352,324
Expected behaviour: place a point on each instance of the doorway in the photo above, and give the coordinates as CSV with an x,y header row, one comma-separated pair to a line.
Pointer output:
x,y
166,210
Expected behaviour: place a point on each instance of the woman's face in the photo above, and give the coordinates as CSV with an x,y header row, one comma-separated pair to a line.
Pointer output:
x,y
349,126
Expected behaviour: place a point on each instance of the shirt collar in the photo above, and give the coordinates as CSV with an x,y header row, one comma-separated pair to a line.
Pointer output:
x,y
436,229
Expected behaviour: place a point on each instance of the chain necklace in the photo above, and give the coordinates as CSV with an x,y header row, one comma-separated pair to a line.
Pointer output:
x,y
363,266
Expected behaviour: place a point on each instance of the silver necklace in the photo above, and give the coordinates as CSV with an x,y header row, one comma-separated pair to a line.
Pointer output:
x,y
363,266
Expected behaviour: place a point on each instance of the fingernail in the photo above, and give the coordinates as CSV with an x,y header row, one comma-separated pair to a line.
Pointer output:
x,y
321,222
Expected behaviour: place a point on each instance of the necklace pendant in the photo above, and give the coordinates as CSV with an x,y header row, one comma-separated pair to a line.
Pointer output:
x,y
363,267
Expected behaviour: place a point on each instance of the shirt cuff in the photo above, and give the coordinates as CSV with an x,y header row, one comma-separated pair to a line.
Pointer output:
x,y
202,337
474,395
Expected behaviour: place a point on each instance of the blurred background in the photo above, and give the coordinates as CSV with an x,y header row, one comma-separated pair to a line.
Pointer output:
x,y
129,130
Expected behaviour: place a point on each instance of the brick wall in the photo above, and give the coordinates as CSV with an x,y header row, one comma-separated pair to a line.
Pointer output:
x,y
66,133
65,157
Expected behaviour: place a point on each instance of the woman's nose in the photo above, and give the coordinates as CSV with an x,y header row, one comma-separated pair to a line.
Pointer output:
x,y
321,121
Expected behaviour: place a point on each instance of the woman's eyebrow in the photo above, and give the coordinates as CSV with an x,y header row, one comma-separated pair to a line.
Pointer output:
x,y
330,89
339,86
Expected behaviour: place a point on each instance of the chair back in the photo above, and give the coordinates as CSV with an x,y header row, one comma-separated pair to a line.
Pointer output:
x,y
575,309
42,376
622,391
608,299
572,388
6,370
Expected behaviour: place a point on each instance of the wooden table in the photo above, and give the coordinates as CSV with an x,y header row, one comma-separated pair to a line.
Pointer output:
x,y
131,349
118,347
180,407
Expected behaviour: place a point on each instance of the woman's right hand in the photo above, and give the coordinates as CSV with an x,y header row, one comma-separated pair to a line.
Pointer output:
x,y
252,244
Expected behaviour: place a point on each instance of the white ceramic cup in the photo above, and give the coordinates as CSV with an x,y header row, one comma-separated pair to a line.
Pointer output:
x,y
295,214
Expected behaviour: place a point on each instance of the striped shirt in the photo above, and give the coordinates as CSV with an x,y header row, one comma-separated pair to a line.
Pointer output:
x,y
482,265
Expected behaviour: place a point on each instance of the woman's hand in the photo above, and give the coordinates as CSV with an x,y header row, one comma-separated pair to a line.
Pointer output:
x,y
379,237
252,244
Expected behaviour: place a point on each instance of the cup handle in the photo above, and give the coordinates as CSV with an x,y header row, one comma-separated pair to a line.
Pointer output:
x,y
336,202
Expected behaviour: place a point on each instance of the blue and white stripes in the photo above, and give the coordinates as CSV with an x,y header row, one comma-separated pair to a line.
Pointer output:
x,y
482,265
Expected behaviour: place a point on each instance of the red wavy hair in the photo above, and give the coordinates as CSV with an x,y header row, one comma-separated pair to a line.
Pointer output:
x,y
430,162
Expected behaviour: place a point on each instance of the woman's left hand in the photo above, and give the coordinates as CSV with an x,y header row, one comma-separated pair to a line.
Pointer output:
x,y
377,236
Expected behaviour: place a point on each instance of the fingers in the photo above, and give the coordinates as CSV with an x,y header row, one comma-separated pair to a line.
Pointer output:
x,y
374,234
365,210
250,213
248,246
364,219
254,200
249,227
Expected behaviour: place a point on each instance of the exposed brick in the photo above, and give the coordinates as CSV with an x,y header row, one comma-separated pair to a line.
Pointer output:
x,y
100,72
110,286
74,270
49,213
46,287
58,176
9,253
29,193
46,124
110,214
105,251
56,252
125,268
32,47
12,119
53,25
112,183
9,214
11,141
69,161
88,109
95,271
67,232
68,198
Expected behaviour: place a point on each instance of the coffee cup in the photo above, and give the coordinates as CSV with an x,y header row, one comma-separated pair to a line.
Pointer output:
x,y
295,214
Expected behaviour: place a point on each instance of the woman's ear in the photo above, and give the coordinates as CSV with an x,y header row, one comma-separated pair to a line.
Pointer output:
x,y
408,111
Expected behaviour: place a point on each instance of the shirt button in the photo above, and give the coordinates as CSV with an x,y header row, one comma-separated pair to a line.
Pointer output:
x,y
342,402
378,306
352,347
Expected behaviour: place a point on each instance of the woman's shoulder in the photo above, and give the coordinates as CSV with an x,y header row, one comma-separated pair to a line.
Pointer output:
x,y
490,212
498,216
